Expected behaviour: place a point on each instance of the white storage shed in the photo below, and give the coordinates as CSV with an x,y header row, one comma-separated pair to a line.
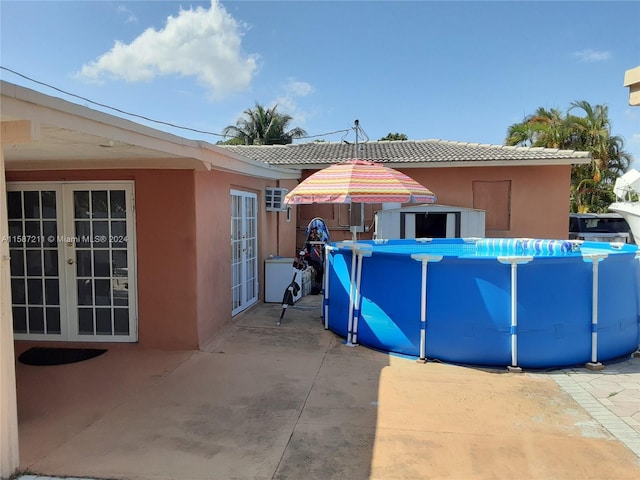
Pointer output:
x,y
429,221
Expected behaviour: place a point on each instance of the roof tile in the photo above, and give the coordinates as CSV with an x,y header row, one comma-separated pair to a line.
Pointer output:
x,y
419,152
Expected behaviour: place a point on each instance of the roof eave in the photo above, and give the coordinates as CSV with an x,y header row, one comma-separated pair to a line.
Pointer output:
x,y
170,151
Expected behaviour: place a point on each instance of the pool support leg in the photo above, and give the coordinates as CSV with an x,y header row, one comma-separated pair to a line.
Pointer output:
x,y
358,251
424,259
352,288
636,354
325,286
356,300
596,258
514,261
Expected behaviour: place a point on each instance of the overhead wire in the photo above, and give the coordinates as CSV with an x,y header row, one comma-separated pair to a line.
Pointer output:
x,y
135,115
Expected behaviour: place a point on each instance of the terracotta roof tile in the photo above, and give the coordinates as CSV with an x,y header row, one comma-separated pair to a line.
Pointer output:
x,y
419,152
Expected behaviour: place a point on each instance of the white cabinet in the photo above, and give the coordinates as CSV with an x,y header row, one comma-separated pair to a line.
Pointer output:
x,y
278,274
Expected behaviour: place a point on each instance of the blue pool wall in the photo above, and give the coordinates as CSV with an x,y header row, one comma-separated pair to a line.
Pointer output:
x,y
468,315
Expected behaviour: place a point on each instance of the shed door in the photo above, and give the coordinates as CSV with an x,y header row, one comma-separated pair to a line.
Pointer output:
x,y
244,250
72,253
430,225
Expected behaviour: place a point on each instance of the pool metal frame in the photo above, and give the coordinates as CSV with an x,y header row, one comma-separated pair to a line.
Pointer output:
x,y
513,258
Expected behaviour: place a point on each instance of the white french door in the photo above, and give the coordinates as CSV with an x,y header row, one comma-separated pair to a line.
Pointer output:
x,y
244,250
72,248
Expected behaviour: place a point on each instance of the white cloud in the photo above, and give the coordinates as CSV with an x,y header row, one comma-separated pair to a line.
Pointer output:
x,y
131,17
299,89
288,101
589,55
201,43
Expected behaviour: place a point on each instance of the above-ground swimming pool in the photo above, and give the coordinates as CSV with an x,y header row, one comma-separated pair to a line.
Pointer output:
x,y
491,302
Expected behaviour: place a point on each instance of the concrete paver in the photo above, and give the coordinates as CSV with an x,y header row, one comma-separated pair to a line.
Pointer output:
x,y
291,402
611,396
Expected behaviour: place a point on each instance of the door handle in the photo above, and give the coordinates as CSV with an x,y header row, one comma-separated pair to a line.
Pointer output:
x,y
71,261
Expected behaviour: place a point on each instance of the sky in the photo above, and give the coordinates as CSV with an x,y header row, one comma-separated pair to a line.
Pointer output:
x,y
454,70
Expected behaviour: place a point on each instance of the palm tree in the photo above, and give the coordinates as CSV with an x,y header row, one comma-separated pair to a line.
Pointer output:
x,y
545,128
394,136
592,132
592,184
263,126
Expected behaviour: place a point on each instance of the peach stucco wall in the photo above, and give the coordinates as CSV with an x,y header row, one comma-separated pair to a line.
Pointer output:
x,y
165,247
213,227
539,205
183,247
539,195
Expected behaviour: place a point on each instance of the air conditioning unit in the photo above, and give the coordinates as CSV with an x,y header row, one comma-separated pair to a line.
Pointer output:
x,y
274,199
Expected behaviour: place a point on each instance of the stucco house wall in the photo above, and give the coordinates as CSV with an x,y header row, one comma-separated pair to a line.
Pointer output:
x,y
525,191
539,201
213,246
183,247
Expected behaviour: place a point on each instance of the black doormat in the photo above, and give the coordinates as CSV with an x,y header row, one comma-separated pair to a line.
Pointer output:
x,y
58,356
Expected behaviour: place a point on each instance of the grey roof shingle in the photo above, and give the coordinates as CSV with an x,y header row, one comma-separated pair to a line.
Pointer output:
x,y
418,152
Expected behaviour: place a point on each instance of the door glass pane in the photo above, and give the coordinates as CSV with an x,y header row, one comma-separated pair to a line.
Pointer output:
x,y
34,262
53,320
36,320
85,321
17,263
100,236
119,234
103,321
16,232
83,263
14,205
34,289
52,292
121,321
83,234
50,233
20,320
99,205
48,204
118,204
85,292
33,234
101,264
50,262
31,204
18,291
103,292
81,204
120,292
119,263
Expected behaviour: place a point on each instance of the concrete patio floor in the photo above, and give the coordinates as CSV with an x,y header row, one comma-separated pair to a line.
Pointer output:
x,y
293,402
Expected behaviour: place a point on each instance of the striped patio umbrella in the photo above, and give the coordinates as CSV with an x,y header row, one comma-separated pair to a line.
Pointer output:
x,y
359,181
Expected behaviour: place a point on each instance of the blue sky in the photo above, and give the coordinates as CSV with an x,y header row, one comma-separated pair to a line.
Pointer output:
x,y
461,71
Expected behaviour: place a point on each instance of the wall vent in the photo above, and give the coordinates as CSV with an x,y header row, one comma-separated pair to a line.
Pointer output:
x,y
274,199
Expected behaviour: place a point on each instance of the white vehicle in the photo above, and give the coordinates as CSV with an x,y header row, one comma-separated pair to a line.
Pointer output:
x,y
627,191
599,227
